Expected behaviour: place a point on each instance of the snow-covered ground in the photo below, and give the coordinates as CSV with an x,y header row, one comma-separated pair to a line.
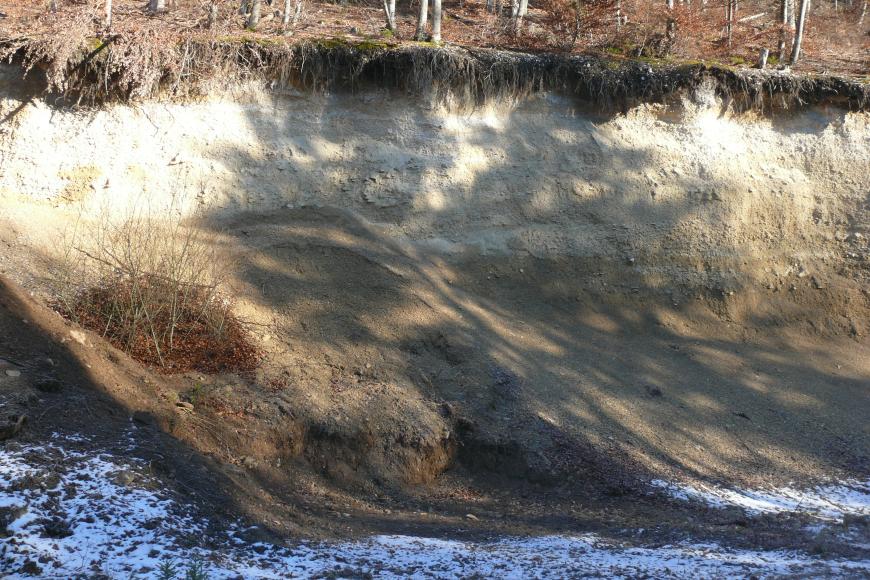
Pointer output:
x,y
72,514
826,503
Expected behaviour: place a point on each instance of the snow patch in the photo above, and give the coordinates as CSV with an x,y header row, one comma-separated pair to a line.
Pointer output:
x,y
72,513
826,502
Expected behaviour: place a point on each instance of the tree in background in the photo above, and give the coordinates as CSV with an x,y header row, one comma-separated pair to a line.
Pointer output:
x,y
799,33
254,15
287,20
390,14
422,18
436,21
212,14
784,12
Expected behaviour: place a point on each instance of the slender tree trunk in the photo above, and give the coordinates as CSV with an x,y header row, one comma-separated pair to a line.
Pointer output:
x,y
243,8
297,12
729,20
422,19
863,13
672,24
52,7
524,10
618,15
578,11
108,13
436,21
254,16
799,32
762,58
212,14
158,6
390,13
285,17
783,13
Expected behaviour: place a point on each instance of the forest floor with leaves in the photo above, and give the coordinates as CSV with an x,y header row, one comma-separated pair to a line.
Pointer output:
x,y
835,42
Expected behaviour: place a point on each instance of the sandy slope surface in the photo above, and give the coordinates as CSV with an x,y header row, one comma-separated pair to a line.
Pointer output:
x,y
526,314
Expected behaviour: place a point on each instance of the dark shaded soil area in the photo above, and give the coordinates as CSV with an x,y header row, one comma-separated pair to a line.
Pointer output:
x,y
239,449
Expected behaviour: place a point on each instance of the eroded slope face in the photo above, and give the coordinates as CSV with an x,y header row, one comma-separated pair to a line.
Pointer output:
x,y
532,289
692,196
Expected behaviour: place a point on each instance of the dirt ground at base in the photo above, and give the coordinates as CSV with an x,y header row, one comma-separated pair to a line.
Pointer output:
x,y
399,393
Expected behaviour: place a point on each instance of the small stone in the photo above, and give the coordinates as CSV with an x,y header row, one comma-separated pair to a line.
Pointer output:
x,y
79,336
124,477
472,517
13,373
184,406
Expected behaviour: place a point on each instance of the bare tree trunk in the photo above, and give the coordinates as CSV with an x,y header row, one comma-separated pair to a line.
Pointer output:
x,y
672,24
390,13
524,10
783,13
618,15
729,20
52,6
422,19
243,8
863,13
436,21
254,16
285,18
212,14
158,6
762,58
108,13
297,12
799,33
578,10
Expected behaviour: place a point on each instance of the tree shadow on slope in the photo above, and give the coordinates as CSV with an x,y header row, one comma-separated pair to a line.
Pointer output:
x,y
548,359
546,347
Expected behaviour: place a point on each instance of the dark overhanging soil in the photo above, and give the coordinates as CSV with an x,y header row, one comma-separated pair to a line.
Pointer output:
x,y
104,72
